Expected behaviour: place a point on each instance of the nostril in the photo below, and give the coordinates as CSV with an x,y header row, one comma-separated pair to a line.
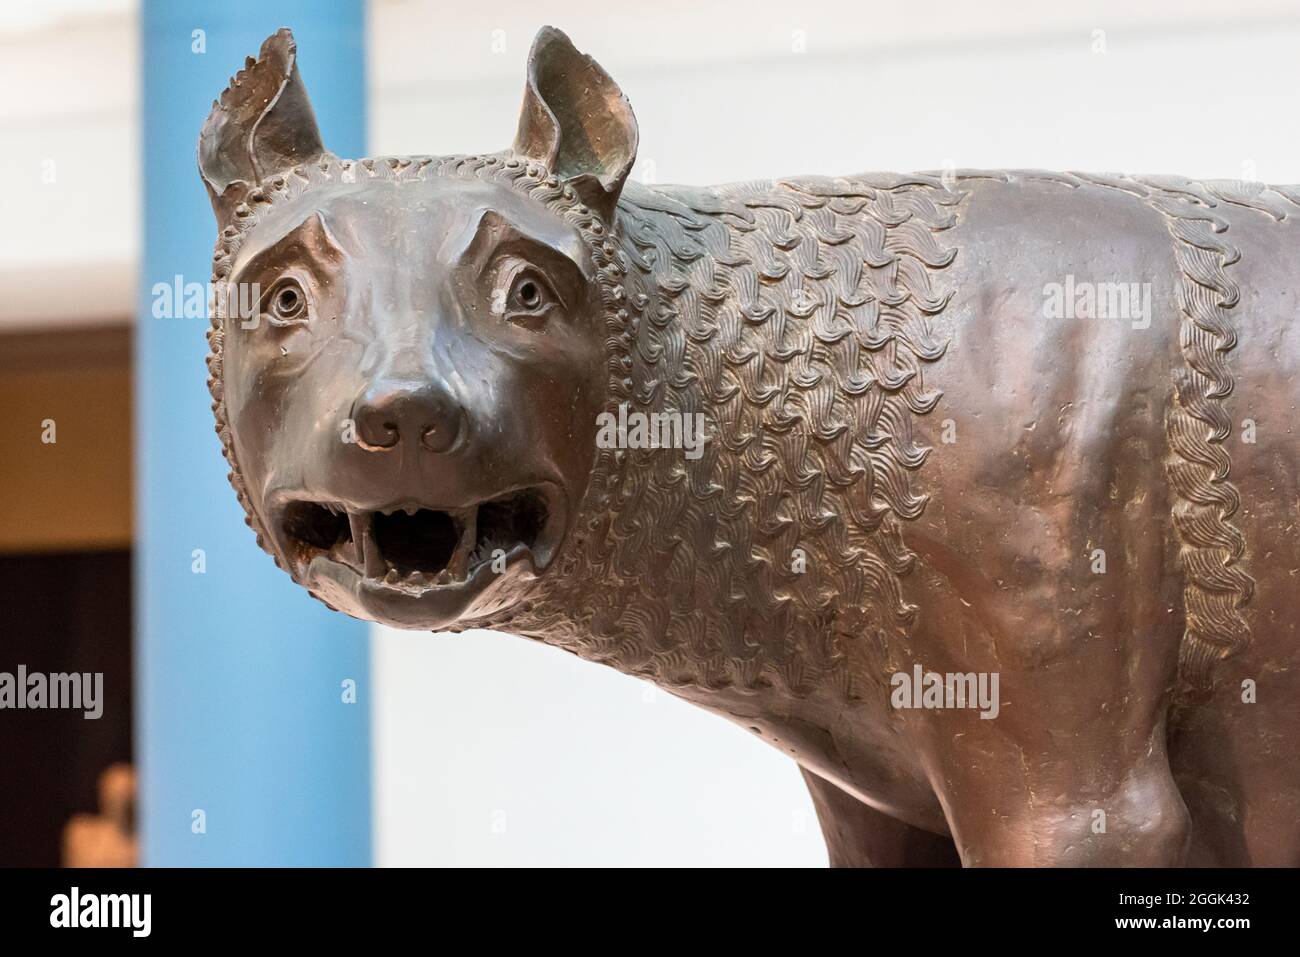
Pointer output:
x,y
440,436
388,413
375,431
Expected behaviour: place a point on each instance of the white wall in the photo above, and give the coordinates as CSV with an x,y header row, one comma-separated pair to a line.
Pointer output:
x,y
584,768
489,749
69,167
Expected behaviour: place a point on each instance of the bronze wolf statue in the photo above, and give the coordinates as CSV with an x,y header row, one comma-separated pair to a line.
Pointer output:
x,y
975,493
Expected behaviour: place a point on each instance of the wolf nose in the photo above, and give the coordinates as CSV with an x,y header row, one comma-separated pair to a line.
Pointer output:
x,y
387,414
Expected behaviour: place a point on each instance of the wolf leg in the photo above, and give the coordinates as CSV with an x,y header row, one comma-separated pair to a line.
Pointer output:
x,y
1071,807
857,835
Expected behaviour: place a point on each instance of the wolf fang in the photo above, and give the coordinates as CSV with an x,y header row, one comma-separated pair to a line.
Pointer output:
x,y
95,910
652,430
932,690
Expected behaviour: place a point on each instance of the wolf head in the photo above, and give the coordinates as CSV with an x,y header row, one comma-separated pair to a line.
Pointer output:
x,y
409,355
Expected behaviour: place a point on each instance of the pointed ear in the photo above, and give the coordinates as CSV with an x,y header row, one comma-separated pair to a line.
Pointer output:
x,y
576,122
261,126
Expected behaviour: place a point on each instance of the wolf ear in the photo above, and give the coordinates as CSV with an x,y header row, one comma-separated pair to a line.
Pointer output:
x,y
261,126
576,122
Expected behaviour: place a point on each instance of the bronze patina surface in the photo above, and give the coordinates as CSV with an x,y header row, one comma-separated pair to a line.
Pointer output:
x,y
993,529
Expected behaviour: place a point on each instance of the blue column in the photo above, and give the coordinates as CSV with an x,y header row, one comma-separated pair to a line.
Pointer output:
x,y
240,711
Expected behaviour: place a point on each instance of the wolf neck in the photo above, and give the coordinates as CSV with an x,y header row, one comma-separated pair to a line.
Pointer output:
x,y
793,317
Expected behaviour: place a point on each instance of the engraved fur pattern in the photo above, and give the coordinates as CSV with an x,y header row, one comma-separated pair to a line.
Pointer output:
x,y
794,315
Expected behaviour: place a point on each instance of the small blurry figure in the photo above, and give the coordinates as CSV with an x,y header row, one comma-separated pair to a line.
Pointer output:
x,y
108,838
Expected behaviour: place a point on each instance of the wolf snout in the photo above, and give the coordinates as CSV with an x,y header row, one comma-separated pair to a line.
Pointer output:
x,y
392,414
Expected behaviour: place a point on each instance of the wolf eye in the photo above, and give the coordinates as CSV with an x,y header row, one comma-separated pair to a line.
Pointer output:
x,y
523,295
287,302
528,293
530,296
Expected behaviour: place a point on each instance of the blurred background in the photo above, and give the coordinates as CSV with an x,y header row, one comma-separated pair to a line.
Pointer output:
x,y
245,724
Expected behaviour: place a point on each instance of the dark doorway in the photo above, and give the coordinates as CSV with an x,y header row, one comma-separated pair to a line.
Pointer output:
x,y
63,613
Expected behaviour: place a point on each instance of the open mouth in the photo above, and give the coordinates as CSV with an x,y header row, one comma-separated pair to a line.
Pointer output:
x,y
418,548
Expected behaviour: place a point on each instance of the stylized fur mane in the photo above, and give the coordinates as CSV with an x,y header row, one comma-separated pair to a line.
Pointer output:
x,y
794,315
